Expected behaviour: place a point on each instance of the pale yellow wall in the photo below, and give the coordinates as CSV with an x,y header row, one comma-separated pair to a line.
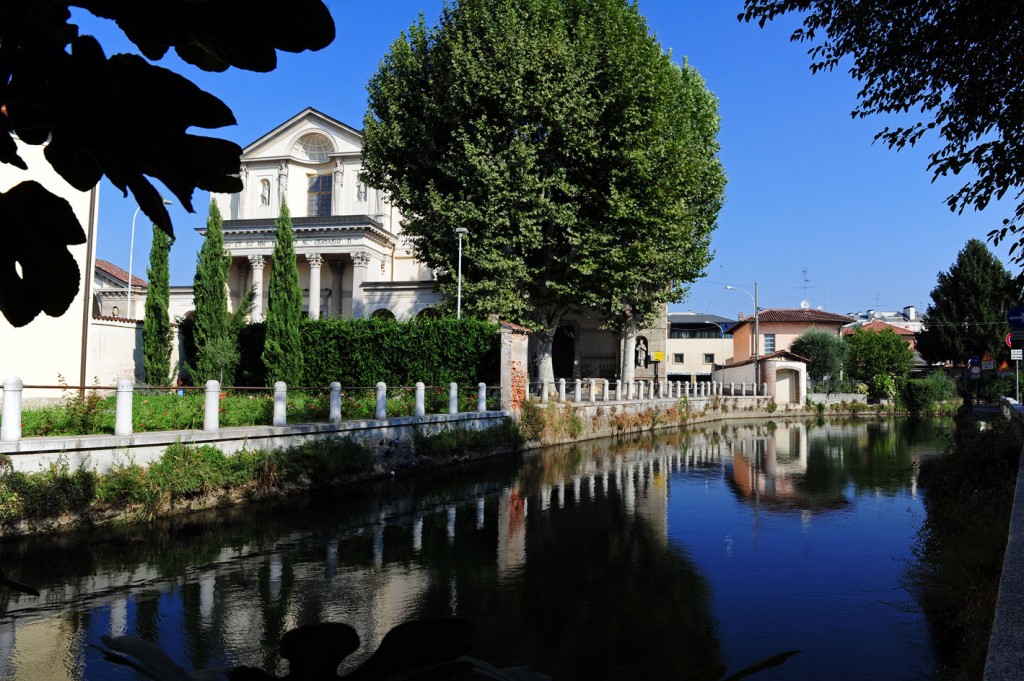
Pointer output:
x,y
693,351
48,347
785,334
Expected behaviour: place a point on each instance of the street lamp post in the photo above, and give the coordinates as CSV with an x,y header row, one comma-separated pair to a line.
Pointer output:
x,y
461,231
131,254
757,331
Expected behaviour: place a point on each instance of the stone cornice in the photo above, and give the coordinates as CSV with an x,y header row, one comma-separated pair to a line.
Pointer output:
x,y
330,230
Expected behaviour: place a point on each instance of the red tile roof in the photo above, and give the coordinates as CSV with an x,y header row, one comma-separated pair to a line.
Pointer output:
x,y
800,315
877,326
116,272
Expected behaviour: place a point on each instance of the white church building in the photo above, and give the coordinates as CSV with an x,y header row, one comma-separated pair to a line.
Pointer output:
x,y
353,260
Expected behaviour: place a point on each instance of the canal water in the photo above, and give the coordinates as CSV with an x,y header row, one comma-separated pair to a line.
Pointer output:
x,y
648,557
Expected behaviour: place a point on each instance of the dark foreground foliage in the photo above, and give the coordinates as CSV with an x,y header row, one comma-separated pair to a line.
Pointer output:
x,y
960,547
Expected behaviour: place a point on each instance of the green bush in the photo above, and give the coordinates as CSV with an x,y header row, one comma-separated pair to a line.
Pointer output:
x,y
363,352
924,394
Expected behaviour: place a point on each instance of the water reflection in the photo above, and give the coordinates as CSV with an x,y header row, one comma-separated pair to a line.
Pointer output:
x,y
570,561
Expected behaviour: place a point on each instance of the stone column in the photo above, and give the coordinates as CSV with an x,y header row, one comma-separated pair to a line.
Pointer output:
x,y
361,264
243,278
334,302
123,408
315,262
257,263
10,431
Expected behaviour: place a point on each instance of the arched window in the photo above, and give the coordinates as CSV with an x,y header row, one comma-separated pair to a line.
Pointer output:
x,y
313,147
382,314
428,313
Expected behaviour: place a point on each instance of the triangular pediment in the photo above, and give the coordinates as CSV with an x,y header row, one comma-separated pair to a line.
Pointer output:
x,y
280,143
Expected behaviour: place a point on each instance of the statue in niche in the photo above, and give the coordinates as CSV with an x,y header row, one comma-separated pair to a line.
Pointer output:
x,y
264,192
339,174
243,175
282,179
641,352
361,191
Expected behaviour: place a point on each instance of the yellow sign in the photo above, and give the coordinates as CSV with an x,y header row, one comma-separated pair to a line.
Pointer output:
x,y
658,356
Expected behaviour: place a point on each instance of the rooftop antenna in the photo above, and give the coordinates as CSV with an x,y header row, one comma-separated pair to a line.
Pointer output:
x,y
806,285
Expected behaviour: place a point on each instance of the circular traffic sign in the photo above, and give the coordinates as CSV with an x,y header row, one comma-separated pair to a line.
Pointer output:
x,y
1009,340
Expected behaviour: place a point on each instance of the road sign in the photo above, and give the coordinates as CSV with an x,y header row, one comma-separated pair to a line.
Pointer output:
x,y
974,361
658,356
1009,340
975,372
1016,317
987,363
1017,354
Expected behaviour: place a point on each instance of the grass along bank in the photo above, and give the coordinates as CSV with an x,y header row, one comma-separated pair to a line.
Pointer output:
x,y
162,409
190,478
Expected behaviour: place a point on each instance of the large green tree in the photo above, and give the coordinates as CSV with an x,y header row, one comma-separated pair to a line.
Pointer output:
x,y
824,351
282,350
157,334
873,353
956,64
141,131
210,288
579,157
969,308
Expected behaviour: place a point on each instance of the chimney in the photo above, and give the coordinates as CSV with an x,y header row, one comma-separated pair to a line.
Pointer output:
x,y
910,313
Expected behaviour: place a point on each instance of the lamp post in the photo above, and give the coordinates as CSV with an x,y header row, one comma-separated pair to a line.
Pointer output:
x,y
461,231
757,331
131,254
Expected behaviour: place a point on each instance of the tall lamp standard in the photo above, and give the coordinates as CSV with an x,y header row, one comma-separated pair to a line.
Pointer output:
x,y
757,334
131,253
461,231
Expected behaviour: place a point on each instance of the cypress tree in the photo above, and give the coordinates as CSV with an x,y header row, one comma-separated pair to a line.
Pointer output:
x,y
211,296
156,325
282,352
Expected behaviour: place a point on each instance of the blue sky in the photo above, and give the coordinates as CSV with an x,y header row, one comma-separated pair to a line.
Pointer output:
x,y
808,190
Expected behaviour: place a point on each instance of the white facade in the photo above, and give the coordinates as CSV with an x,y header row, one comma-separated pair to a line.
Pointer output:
x,y
49,348
348,239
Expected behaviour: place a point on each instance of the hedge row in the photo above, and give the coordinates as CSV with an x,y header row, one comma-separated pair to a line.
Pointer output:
x,y
362,352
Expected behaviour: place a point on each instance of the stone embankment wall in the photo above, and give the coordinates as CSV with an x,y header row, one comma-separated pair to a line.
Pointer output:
x,y
1005,660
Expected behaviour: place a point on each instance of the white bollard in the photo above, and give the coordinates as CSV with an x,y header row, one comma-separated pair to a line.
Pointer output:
x,y
382,401
280,404
618,389
544,392
421,407
211,407
481,397
593,390
14,390
577,391
561,390
607,387
640,390
123,408
335,415
453,398
764,389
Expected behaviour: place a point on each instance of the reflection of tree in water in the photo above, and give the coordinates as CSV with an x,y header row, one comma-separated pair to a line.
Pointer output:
x,y
564,610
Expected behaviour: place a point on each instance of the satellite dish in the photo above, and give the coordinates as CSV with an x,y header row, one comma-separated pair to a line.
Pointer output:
x,y
805,304
821,308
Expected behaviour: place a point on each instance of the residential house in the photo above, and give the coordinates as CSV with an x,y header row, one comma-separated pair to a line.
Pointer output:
x,y
907,318
110,292
696,343
778,328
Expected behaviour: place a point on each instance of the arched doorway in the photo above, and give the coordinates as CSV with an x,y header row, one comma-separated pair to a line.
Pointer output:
x,y
787,382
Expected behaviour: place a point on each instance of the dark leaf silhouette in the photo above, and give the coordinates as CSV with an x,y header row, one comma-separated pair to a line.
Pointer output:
x,y
123,117
37,271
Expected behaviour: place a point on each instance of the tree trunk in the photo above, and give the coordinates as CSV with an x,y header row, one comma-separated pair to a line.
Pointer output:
x,y
542,355
628,342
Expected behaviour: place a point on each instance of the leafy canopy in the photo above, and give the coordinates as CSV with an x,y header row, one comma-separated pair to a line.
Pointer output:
x,y
136,128
824,351
956,64
968,314
877,353
579,157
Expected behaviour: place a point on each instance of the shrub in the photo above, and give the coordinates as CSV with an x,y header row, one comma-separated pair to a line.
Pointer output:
x,y
924,394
